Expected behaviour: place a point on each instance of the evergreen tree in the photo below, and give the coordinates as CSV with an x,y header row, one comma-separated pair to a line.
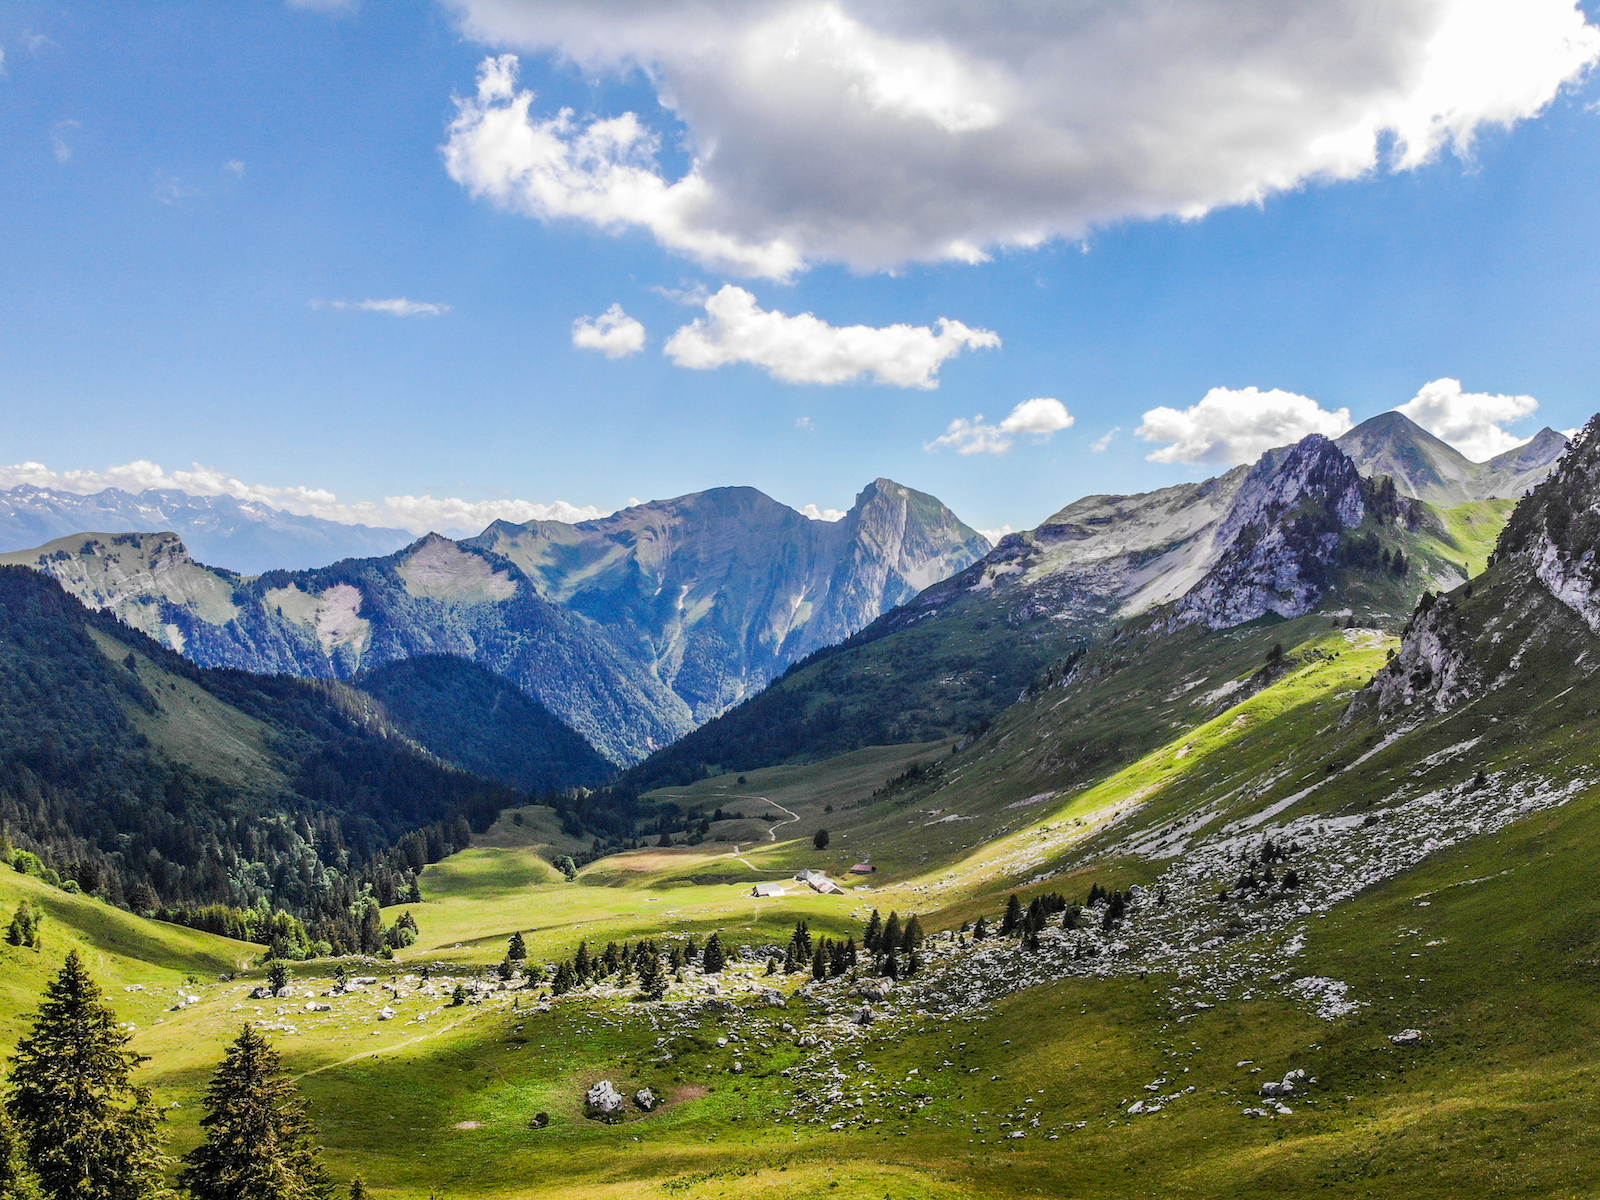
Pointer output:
x,y
278,975
913,963
652,982
892,933
912,937
819,965
519,949
86,1130
1013,917
258,1141
980,930
459,996
820,839
790,963
358,1189
24,929
506,970
772,965
11,1170
712,958
582,968
873,937
891,965
850,953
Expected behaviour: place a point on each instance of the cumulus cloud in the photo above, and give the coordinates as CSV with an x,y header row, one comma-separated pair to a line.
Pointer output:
x,y
1041,416
1103,443
418,514
875,133
1229,427
614,333
823,514
1469,421
399,306
994,535
806,349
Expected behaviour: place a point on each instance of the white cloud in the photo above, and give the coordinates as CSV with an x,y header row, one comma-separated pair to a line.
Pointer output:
x,y
234,167
418,514
806,349
602,172
1229,427
994,535
805,423
58,140
1569,434
823,514
1041,416
1101,444
399,306
1469,421
614,333
874,133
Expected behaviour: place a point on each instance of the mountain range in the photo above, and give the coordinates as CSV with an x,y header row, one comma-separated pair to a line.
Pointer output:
x,y
244,535
1427,468
631,630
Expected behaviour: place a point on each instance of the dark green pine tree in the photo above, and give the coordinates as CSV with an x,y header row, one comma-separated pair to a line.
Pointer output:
x,y
258,1144
980,930
819,965
912,937
519,948
1013,917
358,1189
873,937
713,958
652,980
86,1130
11,1172
582,966
892,933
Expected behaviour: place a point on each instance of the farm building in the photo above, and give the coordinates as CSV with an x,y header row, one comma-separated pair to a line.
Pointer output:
x,y
770,888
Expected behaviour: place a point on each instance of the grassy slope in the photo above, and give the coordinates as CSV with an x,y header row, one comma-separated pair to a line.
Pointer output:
x,y
1489,947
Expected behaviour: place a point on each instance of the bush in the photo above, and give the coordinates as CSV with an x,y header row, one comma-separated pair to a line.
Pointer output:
x,y
820,839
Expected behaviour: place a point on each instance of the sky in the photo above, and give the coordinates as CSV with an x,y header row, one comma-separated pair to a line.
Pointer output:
x,y
428,264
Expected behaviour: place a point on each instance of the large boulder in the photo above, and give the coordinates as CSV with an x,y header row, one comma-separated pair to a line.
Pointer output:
x,y
864,1015
773,998
645,1099
1406,1037
603,1102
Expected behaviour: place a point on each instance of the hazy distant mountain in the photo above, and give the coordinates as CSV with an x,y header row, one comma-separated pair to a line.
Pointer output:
x,y
631,630
239,534
1426,468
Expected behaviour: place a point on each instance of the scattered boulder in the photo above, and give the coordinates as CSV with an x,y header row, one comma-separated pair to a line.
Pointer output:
x,y
738,1067
1273,1090
285,992
317,1006
864,1015
877,991
645,1099
262,993
603,1102
773,998
386,1013
1406,1037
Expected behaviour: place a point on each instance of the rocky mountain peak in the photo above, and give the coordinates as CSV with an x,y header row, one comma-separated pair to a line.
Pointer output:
x,y
1557,528
1279,537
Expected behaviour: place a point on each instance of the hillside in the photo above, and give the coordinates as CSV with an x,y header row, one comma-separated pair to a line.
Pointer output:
x,y
124,766
629,630
1348,945
1300,531
478,721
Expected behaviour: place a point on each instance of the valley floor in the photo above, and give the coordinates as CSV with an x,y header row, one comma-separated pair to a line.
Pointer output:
x,y
1443,883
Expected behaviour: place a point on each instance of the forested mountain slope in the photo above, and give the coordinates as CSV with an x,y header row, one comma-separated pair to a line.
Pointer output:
x,y
123,764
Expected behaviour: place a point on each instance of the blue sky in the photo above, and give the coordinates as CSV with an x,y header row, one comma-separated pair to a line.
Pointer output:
x,y
158,304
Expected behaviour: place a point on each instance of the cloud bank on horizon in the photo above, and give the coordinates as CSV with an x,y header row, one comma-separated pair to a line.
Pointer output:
x,y
415,514
876,133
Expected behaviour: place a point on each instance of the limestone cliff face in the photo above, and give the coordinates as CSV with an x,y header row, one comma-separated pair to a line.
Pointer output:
x,y
1279,539
718,592
632,630
1557,529
1435,667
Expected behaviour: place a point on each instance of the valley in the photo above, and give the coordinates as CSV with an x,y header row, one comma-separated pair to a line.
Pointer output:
x,y
1303,899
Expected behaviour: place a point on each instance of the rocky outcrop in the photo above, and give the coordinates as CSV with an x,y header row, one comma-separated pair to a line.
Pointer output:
x,y
1434,667
1280,537
603,1102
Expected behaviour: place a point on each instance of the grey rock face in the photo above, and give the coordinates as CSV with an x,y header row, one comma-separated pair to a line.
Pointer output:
x,y
1434,665
1279,536
645,1099
603,1101
717,592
